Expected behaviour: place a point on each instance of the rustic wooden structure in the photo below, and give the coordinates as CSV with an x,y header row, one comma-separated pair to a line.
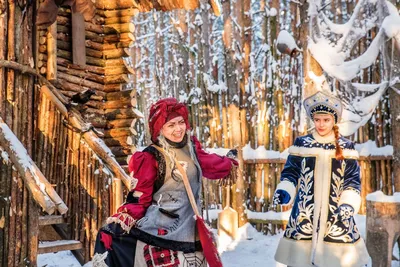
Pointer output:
x,y
81,147
383,231
76,151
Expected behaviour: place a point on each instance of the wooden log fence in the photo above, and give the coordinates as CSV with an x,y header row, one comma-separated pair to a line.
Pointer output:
x,y
77,173
264,175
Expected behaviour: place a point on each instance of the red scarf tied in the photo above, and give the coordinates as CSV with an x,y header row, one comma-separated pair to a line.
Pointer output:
x,y
163,111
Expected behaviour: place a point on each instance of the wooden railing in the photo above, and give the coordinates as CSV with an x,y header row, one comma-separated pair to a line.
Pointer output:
x,y
35,181
262,176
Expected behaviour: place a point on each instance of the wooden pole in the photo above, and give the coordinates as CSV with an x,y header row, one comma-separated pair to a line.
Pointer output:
x,y
52,52
118,196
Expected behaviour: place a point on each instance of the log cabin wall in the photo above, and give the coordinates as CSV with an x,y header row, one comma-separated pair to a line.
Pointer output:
x,y
77,174
18,230
80,178
111,110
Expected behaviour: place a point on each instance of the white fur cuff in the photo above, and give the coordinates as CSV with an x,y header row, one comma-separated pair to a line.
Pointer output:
x,y
290,188
351,198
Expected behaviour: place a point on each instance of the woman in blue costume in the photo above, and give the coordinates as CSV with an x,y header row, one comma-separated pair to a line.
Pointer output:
x,y
321,178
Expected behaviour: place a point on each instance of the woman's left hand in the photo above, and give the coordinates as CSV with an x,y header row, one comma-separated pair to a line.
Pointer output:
x,y
231,178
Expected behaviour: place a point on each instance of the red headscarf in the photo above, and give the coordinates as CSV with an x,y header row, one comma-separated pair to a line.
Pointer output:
x,y
163,111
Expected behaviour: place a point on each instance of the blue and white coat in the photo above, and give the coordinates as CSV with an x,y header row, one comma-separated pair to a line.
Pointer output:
x,y
314,235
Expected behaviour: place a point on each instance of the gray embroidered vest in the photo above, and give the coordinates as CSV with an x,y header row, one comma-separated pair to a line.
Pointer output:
x,y
170,215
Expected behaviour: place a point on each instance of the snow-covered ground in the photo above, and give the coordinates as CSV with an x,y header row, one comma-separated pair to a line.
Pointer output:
x,y
250,249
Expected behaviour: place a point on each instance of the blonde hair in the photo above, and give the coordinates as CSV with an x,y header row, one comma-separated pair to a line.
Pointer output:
x,y
170,153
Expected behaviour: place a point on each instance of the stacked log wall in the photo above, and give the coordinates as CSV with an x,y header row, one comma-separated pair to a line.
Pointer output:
x,y
77,174
112,110
87,191
18,230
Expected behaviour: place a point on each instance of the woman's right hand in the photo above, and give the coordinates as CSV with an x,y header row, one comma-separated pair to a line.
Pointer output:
x,y
281,197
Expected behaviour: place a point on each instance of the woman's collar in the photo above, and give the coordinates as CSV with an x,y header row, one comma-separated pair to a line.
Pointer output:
x,y
180,144
324,139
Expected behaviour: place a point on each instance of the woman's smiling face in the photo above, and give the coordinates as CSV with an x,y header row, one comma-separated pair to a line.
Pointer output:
x,y
323,123
175,129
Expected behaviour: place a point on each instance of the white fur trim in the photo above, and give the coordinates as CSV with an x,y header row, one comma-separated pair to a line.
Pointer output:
x,y
351,198
290,188
298,253
316,151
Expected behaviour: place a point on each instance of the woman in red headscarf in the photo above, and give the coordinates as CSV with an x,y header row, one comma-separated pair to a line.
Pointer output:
x,y
156,224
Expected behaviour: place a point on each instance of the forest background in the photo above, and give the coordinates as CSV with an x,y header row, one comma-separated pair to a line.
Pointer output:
x,y
242,92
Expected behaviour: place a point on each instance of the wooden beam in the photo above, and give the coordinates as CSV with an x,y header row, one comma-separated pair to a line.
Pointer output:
x,y
216,7
118,195
51,219
78,39
59,245
52,52
117,4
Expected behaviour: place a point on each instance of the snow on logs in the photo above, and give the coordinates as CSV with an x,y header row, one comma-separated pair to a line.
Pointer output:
x,y
40,188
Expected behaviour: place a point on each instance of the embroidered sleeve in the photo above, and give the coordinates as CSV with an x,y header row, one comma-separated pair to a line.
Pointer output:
x,y
292,169
212,165
144,168
290,175
352,185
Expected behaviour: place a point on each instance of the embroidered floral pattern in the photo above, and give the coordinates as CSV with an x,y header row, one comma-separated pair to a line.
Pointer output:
x,y
300,226
309,142
346,212
337,187
340,226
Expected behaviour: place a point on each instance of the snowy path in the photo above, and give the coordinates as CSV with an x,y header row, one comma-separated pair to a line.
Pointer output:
x,y
251,249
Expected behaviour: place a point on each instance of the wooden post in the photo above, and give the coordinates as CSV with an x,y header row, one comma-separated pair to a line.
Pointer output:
x,y
52,52
78,39
118,195
383,228
394,100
